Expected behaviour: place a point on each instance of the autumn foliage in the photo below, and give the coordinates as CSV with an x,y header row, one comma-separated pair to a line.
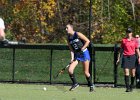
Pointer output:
x,y
43,21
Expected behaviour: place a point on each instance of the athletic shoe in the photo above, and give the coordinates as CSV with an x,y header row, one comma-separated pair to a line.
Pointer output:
x,y
131,88
74,87
128,90
91,89
138,84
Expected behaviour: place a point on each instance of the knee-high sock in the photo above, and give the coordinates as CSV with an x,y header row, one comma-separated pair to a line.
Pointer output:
x,y
72,76
127,81
132,81
89,81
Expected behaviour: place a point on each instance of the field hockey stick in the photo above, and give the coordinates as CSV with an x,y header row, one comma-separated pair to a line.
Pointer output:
x,y
7,42
61,71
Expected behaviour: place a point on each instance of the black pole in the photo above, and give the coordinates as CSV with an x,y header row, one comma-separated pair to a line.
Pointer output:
x,y
90,16
89,36
13,70
94,64
115,65
51,66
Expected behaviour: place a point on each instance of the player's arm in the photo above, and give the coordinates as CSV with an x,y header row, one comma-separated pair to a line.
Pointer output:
x,y
119,55
2,34
120,52
85,39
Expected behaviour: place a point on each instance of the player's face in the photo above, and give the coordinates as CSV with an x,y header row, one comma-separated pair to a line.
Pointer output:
x,y
68,29
129,34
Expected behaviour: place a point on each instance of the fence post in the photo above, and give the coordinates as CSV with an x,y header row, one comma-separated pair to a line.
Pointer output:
x,y
115,65
94,64
90,65
13,70
51,66
89,36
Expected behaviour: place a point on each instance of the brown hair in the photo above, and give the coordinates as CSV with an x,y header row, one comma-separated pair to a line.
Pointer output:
x,y
72,24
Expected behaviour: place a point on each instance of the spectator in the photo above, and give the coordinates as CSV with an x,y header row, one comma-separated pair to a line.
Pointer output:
x,y
138,40
2,28
138,66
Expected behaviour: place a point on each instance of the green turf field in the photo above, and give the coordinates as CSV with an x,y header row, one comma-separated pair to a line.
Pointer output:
x,y
60,92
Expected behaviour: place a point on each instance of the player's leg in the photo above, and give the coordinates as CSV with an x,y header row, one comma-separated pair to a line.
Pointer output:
x,y
126,78
72,76
86,71
87,74
133,71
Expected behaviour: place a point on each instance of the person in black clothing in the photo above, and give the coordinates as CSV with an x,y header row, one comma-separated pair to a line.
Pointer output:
x,y
138,65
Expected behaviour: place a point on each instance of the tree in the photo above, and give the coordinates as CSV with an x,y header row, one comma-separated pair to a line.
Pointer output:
x,y
42,21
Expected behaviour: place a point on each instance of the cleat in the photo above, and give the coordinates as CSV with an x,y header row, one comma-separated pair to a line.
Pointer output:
x,y
91,89
74,87
128,90
131,88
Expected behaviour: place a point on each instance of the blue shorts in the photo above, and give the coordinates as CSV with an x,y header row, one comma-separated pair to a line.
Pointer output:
x,y
82,56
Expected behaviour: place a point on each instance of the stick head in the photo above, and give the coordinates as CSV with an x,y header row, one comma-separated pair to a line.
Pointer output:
x,y
60,72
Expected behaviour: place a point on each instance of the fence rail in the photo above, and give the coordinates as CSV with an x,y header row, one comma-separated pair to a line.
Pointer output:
x,y
15,55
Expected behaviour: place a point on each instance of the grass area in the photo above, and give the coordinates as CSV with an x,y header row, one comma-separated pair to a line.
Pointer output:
x,y
60,92
104,66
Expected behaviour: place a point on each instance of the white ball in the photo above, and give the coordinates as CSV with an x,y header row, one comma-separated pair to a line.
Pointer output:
x,y
44,88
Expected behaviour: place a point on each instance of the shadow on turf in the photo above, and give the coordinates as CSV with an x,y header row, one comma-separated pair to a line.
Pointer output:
x,y
61,88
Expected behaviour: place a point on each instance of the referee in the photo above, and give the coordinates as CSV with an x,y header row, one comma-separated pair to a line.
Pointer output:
x,y
129,46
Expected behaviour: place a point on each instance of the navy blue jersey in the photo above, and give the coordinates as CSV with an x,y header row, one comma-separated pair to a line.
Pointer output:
x,y
75,42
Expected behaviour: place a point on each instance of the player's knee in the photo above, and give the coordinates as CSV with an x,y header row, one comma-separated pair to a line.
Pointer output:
x,y
86,73
70,71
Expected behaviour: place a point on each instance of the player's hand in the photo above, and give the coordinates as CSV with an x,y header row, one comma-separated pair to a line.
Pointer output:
x,y
117,62
82,49
71,61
